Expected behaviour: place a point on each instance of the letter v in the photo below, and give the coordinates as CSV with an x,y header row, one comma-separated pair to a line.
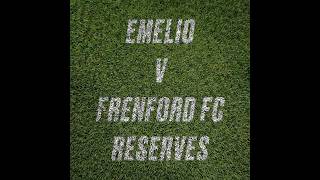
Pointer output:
x,y
160,71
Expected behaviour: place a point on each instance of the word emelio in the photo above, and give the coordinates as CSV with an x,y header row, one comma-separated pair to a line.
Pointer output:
x,y
141,109
150,149
150,31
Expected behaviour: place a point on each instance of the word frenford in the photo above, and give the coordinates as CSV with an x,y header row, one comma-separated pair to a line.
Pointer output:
x,y
150,31
140,109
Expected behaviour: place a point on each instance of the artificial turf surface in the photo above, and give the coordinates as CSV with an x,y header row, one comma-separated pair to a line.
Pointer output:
x,y
216,63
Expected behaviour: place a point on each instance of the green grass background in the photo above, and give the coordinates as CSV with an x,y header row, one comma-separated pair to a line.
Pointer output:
x,y
217,63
